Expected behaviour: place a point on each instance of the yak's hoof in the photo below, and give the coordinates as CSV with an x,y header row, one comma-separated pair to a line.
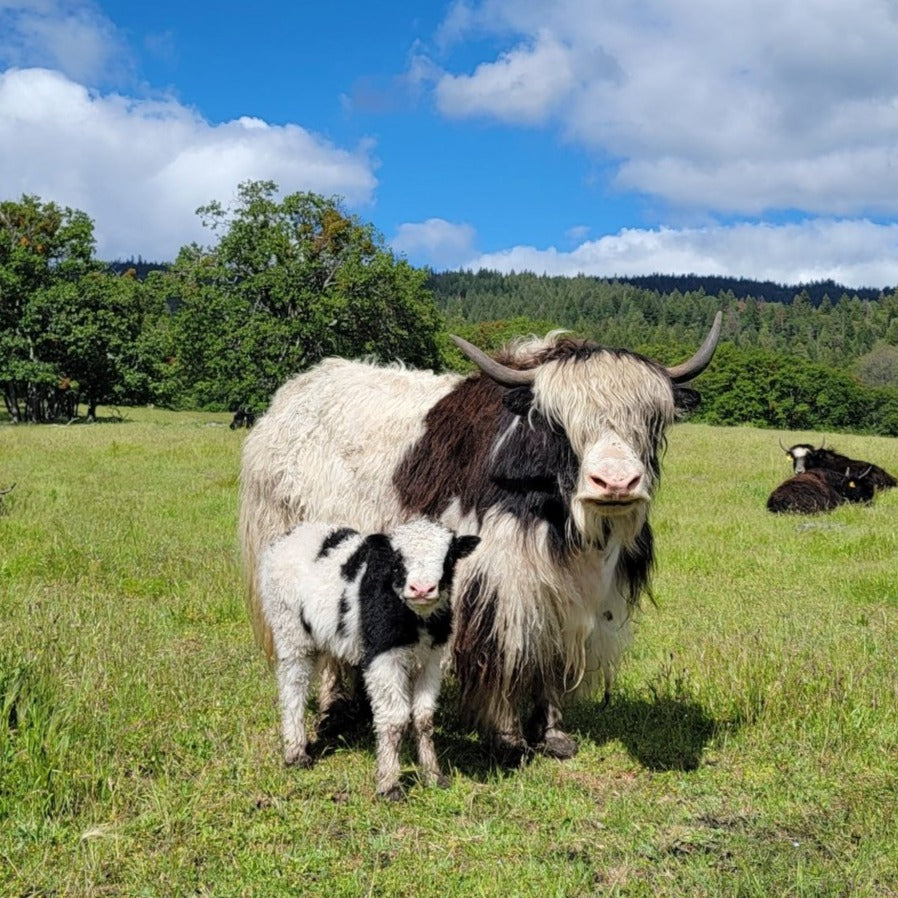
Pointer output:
x,y
442,781
394,793
559,745
510,750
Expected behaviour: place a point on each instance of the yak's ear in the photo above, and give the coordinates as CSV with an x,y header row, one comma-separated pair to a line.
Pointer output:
x,y
518,400
686,400
462,546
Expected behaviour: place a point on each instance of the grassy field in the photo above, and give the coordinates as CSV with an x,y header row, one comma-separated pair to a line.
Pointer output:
x,y
751,748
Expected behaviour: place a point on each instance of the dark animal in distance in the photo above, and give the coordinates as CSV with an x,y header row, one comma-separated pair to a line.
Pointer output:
x,y
3,492
819,490
378,600
806,457
243,418
551,453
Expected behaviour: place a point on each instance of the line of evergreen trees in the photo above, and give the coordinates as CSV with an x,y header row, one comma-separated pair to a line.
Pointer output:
x,y
786,364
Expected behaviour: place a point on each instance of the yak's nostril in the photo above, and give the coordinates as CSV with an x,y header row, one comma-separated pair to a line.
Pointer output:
x,y
615,484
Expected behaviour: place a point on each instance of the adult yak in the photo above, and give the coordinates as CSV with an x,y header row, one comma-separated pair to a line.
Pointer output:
x,y
550,453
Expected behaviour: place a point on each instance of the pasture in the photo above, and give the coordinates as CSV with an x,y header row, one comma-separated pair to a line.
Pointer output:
x,y
750,748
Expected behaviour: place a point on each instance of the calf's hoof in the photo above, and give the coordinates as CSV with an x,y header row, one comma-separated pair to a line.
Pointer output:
x,y
393,793
298,759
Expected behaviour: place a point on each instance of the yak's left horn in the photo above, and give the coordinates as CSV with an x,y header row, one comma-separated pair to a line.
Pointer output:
x,y
508,377
688,370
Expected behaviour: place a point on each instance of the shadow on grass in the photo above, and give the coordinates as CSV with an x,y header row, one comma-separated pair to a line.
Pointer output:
x,y
660,732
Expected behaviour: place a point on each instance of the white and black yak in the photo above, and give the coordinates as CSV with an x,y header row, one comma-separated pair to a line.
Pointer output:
x,y
551,453
377,601
806,457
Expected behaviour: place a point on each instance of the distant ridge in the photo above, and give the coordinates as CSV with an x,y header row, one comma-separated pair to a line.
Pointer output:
x,y
445,282
743,288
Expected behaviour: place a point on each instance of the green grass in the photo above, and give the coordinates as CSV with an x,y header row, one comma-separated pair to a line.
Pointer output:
x,y
751,748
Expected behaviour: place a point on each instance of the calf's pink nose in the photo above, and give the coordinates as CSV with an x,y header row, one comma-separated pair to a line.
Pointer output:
x,y
422,590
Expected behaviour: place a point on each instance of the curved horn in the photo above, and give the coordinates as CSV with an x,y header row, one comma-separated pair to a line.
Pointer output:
x,y
780,441
508,377
688,370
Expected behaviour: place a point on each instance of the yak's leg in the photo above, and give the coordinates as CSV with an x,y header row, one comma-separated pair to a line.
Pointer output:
x,y
425,692
387,682
503,722
544,727
294,675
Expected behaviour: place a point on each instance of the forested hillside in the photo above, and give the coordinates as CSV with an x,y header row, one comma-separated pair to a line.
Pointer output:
x,y
835,331
787,364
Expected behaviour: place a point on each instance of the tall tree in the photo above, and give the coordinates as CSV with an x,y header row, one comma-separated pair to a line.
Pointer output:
x,y
288,282
41,247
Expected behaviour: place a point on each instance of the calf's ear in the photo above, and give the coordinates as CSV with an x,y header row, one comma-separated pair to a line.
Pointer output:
x,y
462,546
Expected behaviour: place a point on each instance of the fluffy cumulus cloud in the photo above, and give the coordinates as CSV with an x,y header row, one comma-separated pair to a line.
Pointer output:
x,y
856,253
523,85
443,244
772,106
140,168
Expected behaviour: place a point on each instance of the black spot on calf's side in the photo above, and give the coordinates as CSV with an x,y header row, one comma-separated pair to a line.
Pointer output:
x,y
333,539
343,610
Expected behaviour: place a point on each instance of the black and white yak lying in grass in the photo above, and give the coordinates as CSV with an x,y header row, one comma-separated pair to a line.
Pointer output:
x,y
805,457
380,601
820,489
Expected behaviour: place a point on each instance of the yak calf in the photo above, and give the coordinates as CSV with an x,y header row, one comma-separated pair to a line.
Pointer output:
x,y
378,600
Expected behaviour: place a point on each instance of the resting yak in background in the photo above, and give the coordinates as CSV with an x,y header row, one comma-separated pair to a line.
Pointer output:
x,y
806,457
820,489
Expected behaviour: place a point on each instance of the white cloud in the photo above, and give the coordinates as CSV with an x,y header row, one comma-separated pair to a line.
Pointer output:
x,y
856,253
770,106
140,168
442,243
71,36
523,85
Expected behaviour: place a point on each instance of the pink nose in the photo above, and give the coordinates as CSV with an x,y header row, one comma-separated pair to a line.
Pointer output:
x,y
617,485
421,590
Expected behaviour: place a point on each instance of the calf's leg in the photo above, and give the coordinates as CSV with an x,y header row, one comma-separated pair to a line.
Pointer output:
x,y
294,675
387,682
425,692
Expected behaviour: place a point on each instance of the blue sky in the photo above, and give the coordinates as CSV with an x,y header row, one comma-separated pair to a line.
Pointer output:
x,y
574,136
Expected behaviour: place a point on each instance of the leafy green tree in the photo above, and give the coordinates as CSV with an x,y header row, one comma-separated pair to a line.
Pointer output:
x,y
41,247
93,332
288,282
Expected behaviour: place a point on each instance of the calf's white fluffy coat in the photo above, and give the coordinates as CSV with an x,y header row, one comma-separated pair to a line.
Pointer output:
x,y
379,601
